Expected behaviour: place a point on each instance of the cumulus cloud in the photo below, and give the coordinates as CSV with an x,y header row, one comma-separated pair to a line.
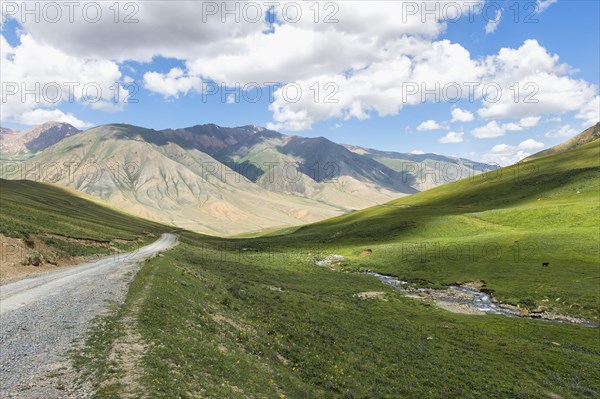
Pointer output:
x,y
511,127
530,145
452,138
494,129
32,88
529,121
504,154
147,27
381,88
544,85
366,58
590,112
233,46
39,116
429,125
491,130
459,115
172,83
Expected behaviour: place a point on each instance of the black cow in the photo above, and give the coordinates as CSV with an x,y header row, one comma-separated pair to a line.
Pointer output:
x,y
545,264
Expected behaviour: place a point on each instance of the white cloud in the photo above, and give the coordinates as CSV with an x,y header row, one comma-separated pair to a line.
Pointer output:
x,y
152,33
530,145
513,127
529,121
459,115
491,130
544,4
492,24
368,54
565,131
54,78
233,50
494,129
590,112
39,116
417,152
107,106
429,125
544,85
378,88
452,138
504,154
172,83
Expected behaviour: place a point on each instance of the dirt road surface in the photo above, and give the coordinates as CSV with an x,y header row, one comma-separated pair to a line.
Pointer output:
x,y
42,317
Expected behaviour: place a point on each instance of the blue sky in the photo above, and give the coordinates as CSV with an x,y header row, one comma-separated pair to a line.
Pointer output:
x,y
167,72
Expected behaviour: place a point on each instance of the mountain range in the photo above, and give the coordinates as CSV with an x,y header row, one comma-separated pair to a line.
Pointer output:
x,y
221,180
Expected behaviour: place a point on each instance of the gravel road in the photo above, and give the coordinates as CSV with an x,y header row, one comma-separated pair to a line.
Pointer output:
x,y
42,317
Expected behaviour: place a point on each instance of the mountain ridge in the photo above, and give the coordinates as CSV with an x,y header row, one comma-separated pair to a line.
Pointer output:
x,y
214,179
35,139
583,138
429,170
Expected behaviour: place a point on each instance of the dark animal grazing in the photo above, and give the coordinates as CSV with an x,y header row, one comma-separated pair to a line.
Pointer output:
x,y
545,264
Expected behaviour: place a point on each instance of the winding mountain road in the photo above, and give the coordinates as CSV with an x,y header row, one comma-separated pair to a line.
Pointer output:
x,y
42,317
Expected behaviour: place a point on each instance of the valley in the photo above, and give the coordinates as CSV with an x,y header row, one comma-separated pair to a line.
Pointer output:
x,y
300,200
255,316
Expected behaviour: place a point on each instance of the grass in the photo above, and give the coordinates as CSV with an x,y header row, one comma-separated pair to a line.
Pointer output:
x,y
254,317
32,209
70,249
249,325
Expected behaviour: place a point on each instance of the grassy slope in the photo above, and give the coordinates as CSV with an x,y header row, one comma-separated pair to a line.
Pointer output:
x,y
498,227
589,135
221,320
29,208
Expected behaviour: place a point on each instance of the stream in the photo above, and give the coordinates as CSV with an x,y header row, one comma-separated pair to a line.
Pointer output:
x,y
464,298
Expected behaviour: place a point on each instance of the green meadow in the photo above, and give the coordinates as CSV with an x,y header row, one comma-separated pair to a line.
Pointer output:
x,y
57,214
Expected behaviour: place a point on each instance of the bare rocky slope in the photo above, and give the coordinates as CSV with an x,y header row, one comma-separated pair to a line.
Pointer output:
x,y
36,139
425,171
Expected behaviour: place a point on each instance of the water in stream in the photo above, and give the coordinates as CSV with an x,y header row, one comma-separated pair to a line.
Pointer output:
x,y
470,300
462,299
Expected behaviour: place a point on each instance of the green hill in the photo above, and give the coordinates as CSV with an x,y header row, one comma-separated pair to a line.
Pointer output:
x,y
29,208
43,226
